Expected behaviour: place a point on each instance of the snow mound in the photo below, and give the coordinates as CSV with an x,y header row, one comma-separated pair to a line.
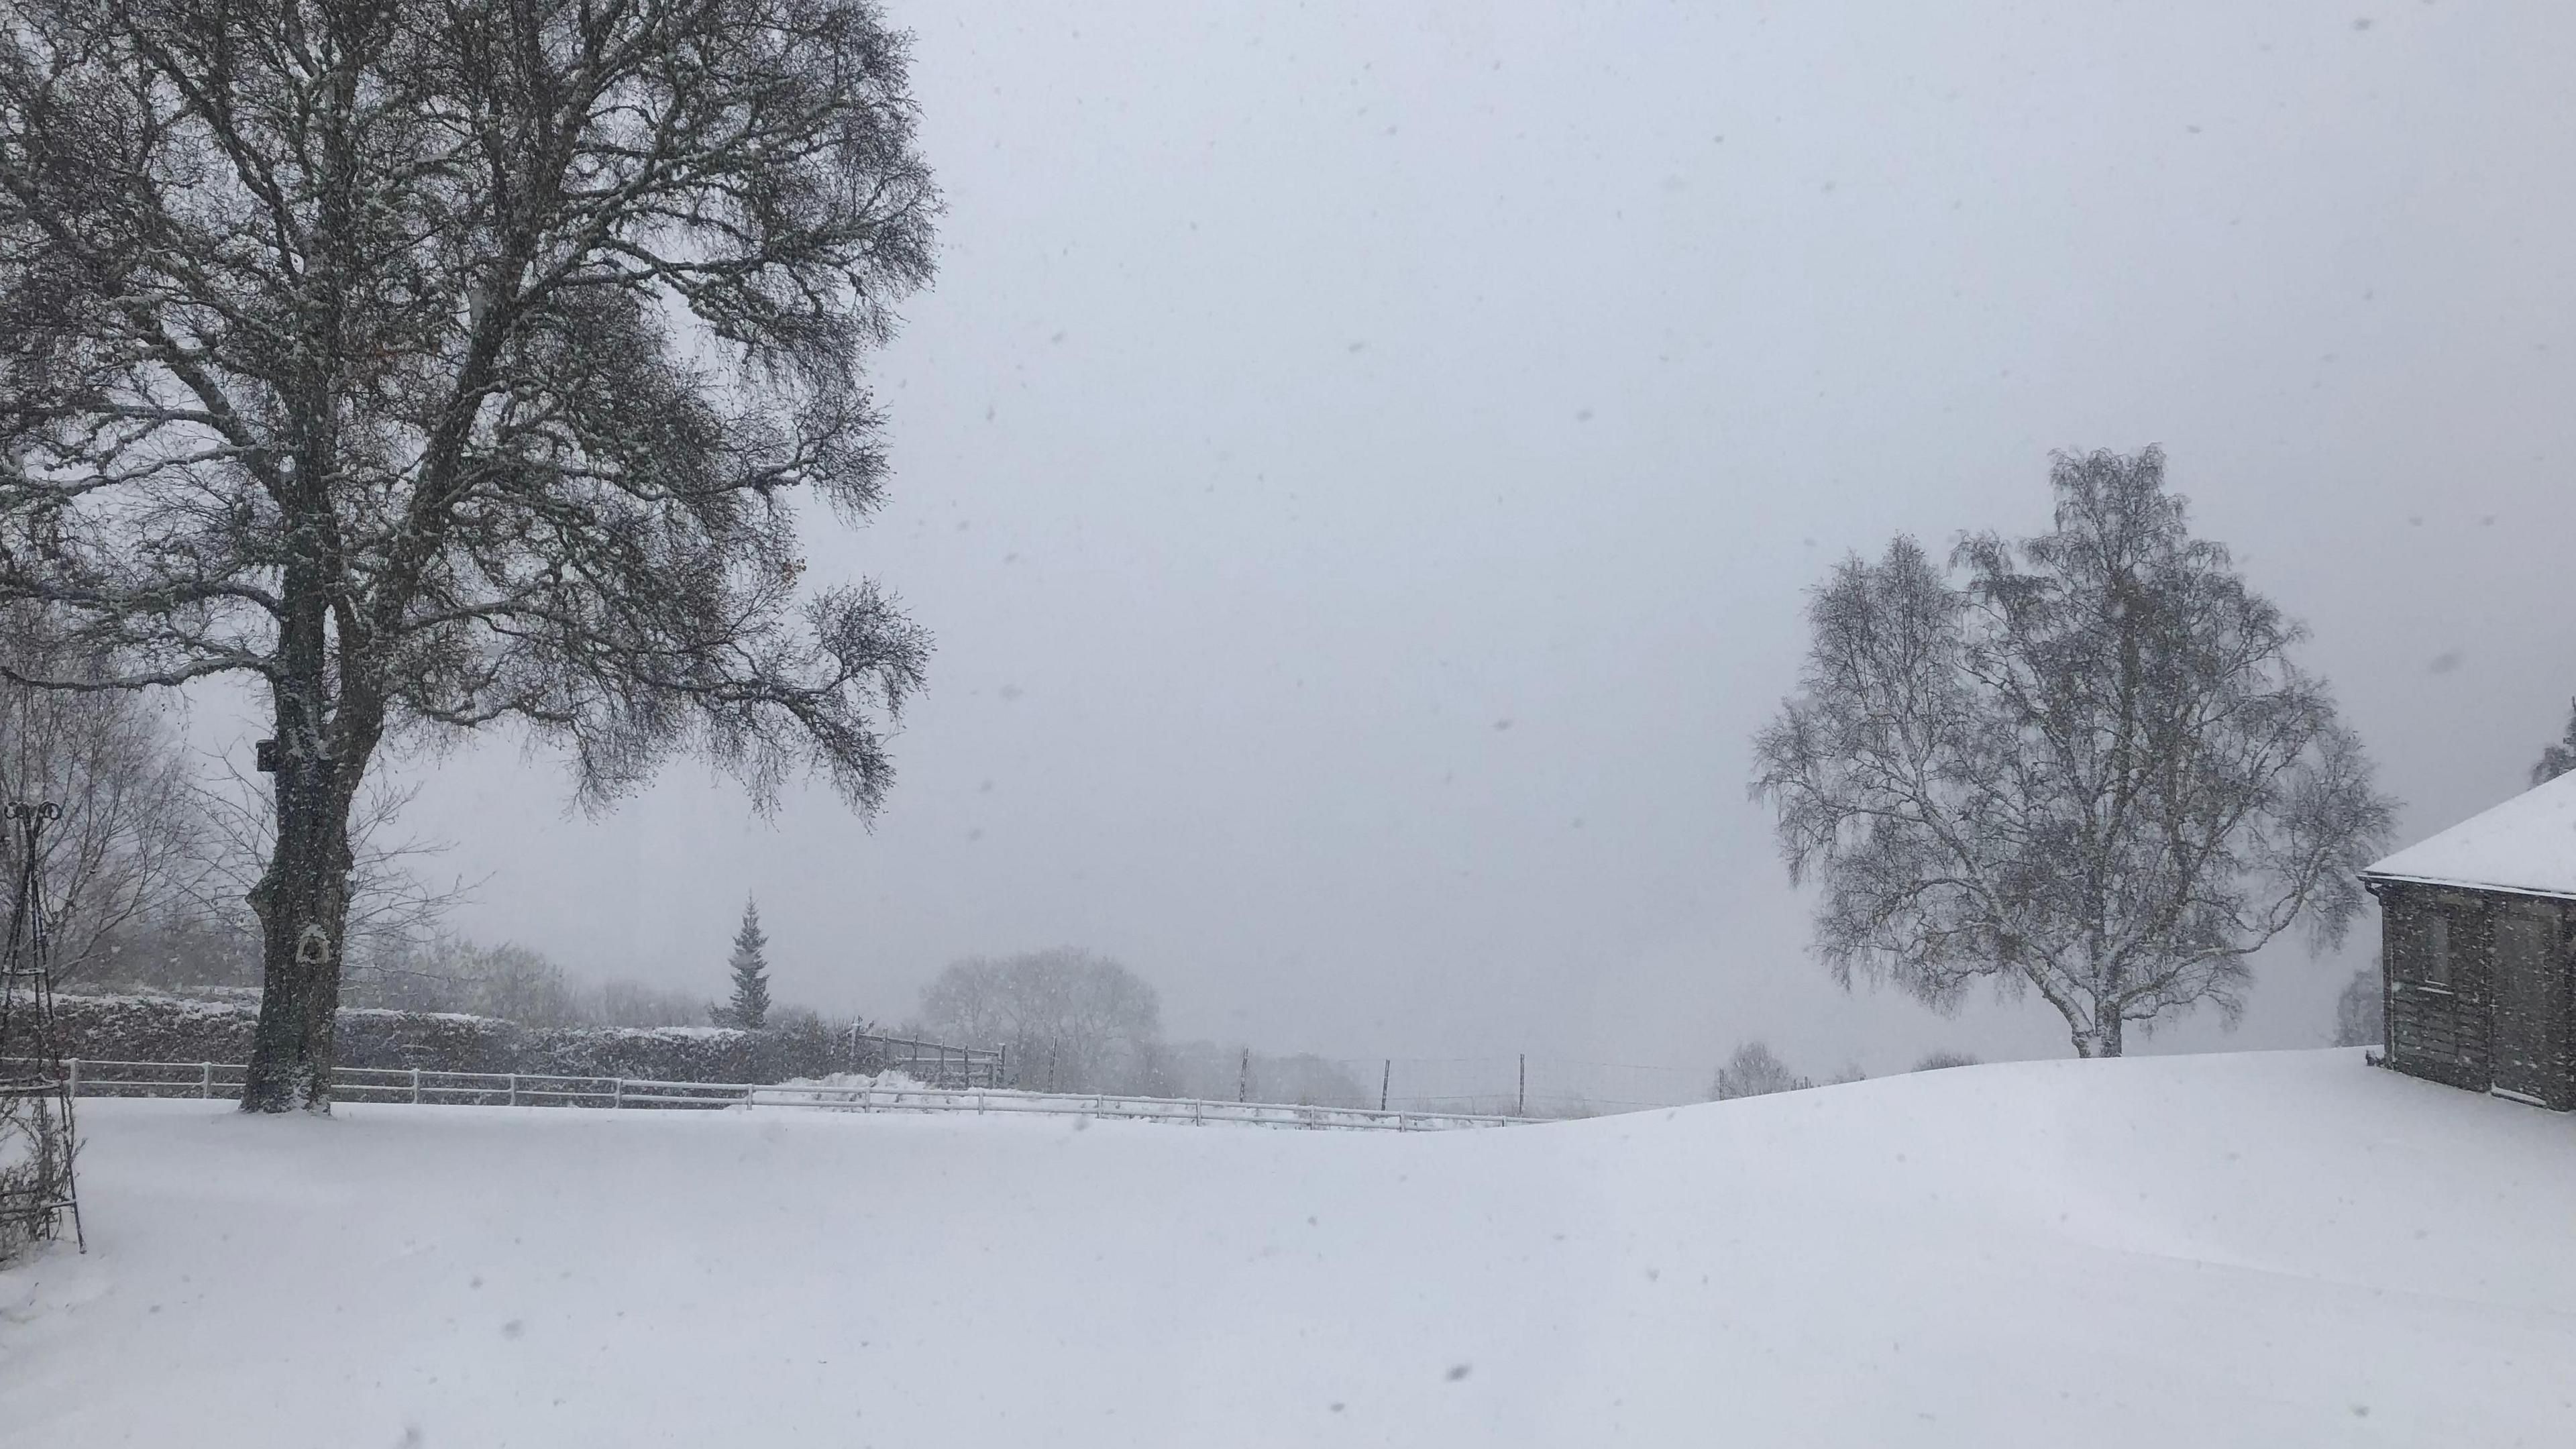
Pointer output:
x,y
2269,1249
889,1080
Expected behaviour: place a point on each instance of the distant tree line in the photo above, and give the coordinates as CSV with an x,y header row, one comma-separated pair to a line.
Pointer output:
x,y
445,972
1068,1020
2361,1010
1071,1020
150,872
2556,760
1753,1069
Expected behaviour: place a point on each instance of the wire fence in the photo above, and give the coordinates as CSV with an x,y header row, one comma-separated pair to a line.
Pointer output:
x,y
1500,1085
1523,1086
212,1080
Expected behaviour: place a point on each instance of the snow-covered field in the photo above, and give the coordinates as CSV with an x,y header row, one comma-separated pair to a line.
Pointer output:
x,y
2270,1250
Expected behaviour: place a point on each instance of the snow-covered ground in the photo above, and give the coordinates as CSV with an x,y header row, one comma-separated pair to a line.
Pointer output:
x,y
2271,1250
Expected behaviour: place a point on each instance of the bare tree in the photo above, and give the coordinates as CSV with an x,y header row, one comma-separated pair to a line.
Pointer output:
x,y
1305,1079
2092,771
393,904
2361,1012
516,984
446,972
627,1003
1070,1021
437,363
184,948
125,851
1755,1071
450,973
2556,760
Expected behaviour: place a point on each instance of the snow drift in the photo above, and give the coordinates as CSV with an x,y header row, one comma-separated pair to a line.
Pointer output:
x,y
2281,1249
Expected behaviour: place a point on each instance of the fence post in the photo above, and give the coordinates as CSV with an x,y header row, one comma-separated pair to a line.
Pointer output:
x,y
514,1089
1522,1110
617,1089
205,1079
72,1081
415,1086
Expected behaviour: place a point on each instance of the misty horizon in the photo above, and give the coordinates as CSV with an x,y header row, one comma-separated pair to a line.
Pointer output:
x,y
1364,473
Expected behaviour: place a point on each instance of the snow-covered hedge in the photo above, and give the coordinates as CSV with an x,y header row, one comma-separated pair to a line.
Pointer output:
x,y
171,1029
153,1029
683,1053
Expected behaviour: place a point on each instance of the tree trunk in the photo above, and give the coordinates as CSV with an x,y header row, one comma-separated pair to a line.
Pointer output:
x,y
2102,1039
303,908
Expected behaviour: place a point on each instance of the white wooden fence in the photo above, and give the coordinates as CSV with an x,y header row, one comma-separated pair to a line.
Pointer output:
x,y
496,1089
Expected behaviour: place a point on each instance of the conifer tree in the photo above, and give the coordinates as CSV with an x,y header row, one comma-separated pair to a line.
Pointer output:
x,y
749,1008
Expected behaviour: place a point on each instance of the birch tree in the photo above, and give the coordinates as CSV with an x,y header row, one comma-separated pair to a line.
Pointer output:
x,y
430,365
2089,768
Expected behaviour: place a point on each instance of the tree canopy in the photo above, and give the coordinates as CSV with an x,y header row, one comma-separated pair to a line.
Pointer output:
x,y
1069,1020
430,364
2090,768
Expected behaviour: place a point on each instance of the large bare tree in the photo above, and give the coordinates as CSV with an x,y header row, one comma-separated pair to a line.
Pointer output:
x,y
437,363
2090,769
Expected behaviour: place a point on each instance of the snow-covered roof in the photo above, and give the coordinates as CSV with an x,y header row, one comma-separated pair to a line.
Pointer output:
x,y
2528,843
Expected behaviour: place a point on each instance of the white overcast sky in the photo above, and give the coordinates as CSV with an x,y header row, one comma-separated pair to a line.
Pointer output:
x,y
1363,463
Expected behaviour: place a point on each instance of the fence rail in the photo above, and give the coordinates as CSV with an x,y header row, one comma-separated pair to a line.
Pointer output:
x,y
935,1063
522,1089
